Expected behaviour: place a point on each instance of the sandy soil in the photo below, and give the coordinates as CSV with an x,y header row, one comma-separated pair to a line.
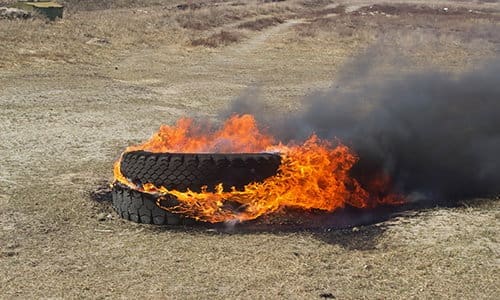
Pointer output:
x,y
64,121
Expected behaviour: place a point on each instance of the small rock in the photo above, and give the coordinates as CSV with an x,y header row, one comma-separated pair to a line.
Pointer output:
x,y
327,295
102,217
98,41
445,9
355,229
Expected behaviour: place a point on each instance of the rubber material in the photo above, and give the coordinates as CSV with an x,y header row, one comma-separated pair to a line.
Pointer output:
x,y
142,208
181,171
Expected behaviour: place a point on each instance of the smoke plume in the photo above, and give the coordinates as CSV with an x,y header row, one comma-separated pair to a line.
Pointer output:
x,y
436,134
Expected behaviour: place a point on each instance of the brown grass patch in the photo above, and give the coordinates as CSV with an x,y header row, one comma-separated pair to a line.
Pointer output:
x,y
262,23
214,16
341,27
414,9
93,30
89,5
315,3
322,12
125,25
377,19
208,18
221,38
72,39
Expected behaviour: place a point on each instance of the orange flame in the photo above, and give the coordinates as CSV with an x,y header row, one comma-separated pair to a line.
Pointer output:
x,y
314,175
239,134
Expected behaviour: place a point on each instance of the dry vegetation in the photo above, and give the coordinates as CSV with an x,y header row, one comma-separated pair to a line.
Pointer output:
x,y
72,40
410,28
94,31
75,92
215,40
206,19
148,24
402,17
261,23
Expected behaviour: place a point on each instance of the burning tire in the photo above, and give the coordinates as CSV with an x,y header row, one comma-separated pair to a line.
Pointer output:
x,y
220,174
142,208
181,171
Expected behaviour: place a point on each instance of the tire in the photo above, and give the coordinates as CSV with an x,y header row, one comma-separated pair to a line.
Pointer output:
x,y
142,208
182,171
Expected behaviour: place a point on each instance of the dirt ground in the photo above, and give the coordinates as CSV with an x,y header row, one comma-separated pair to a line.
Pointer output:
x,y
75,93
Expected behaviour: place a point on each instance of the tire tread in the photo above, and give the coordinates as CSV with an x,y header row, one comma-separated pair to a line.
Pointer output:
x,y
142,208
181,171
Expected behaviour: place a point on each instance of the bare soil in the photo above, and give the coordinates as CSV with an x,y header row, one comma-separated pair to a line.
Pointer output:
x,y
76,92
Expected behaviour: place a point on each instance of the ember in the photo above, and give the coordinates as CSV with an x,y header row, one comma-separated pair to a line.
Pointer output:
x,y
313,175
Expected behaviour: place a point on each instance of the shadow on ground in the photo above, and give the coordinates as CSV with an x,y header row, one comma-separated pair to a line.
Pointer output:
x,y
350,228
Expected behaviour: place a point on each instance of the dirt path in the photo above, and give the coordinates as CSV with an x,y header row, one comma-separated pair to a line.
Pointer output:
x,y
174,76
259,40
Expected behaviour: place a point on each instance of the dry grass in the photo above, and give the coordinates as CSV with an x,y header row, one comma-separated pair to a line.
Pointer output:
x,y
100,80
222,38
261,23
72,40
88,5
376,21
210,17
315,3
95,31
205,19
421,38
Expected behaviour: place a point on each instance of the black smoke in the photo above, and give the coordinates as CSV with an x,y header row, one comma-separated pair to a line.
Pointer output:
x,y
435,133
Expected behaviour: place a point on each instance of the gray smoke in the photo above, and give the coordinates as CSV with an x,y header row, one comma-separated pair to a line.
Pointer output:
x,y
436,134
